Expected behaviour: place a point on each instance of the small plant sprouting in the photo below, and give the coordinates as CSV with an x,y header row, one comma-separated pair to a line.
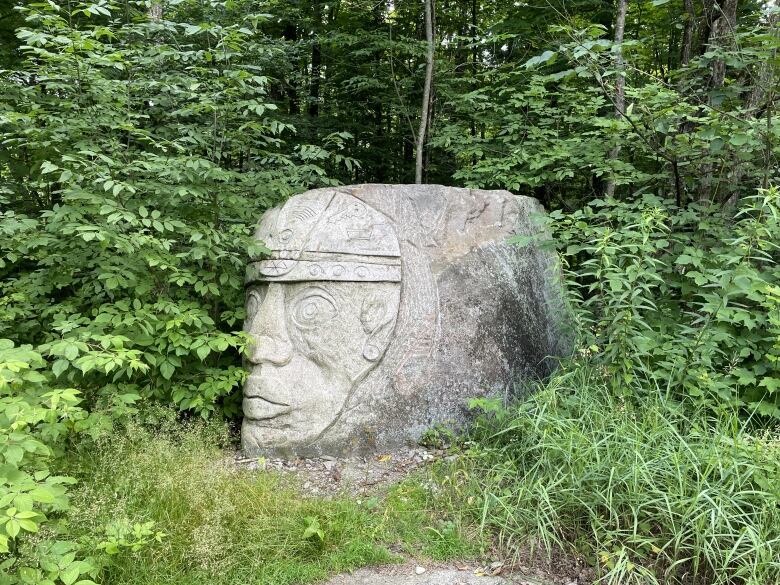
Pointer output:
x,y
313,530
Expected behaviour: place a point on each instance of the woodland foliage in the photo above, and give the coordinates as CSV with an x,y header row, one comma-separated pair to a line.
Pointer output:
x,y
140,141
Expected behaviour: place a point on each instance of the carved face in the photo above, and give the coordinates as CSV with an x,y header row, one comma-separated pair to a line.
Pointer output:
x,y
313,342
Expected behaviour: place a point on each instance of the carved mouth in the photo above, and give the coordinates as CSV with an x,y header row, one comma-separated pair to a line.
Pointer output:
x,y
259,408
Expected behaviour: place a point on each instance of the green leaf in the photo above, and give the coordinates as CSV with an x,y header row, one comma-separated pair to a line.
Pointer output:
x,y
24,502
29,575
12,528
28,525
167,369
313,528
771,384
546,57
71,351
59,366
13,454
203,352
42,495
48,167
70,574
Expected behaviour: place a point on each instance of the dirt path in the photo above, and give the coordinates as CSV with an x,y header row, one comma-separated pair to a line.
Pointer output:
x,y
412,574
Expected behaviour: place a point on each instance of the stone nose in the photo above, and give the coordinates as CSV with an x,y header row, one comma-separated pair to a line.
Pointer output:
x,y
270,350
269,330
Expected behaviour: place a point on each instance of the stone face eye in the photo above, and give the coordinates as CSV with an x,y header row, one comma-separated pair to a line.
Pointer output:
x,y
314,309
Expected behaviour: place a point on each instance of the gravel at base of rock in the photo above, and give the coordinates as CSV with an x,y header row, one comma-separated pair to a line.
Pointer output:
x,y
327,476
407,574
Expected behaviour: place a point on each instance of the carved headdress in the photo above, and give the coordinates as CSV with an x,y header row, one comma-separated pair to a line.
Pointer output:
x,y
337,238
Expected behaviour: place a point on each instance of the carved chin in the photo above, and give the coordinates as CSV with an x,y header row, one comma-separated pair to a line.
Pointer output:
x,y
290,405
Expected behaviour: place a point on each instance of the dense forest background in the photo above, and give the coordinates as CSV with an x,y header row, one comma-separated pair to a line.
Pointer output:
x,y
141,141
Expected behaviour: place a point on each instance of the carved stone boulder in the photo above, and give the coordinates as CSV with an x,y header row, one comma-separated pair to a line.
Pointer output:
x,y
383,308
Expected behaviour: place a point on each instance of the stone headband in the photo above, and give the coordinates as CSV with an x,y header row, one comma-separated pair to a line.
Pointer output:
x,y
356,269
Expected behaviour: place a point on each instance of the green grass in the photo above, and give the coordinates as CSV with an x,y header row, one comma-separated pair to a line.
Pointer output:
x,y
231,527
646,490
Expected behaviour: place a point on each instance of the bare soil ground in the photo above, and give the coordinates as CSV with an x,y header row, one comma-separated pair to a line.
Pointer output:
x,y
356,476
415,574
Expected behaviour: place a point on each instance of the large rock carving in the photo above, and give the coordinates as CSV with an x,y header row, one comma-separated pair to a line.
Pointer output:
x,y
383,308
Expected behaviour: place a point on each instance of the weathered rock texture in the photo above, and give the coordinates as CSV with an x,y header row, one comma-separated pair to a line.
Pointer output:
x,y
383,308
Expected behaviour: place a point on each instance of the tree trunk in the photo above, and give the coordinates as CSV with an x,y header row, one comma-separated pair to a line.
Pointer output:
x,y
723,21
316,64
155,11
708,12
474,85
290,34
687,41
763,80
722,35
426,101
620,80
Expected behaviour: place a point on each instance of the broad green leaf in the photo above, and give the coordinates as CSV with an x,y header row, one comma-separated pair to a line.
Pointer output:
x,y
70,574
13,454
167,369
59,366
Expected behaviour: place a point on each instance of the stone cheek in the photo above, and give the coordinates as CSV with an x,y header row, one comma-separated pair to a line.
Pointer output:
x,y
383,308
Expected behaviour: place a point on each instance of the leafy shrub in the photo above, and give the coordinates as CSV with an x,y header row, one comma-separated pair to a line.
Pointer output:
x,y
647,489
35,420
548,127
138,156
685,299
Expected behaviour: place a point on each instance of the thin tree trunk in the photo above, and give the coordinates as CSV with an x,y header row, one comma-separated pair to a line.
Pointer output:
x,y
426,101
763,81
155,11
708,15
722,35
620,80
475,84
759,104
314,89
316,64
290,34
379,122
687,42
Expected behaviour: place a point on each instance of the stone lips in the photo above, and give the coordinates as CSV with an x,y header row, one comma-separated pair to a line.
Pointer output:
x,y
476,316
